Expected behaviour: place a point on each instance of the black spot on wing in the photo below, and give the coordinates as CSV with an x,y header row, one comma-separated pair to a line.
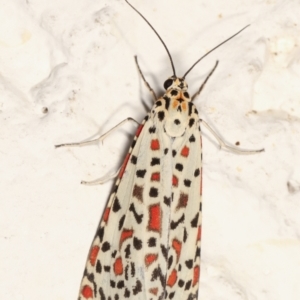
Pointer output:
x,y
194,222
116,205
133,159
192,139
133,143
155,161
179,167
138,288
191,122
187,182
105,247
137,217
100,233
152,129
106,268
126,293
180,283
127,251
188,285
189,263
174,224
120,284
161,115
141,173
167,200
153,192
98,267
170,261
121,222
152,242
185,235
137,243
164,251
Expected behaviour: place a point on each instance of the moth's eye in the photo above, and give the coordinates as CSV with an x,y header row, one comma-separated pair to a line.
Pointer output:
x,y
168,83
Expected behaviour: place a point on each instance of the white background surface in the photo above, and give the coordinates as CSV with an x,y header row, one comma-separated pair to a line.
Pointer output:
x,y
75,58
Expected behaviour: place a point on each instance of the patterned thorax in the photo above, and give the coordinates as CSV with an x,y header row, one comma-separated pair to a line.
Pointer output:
x,y
175,108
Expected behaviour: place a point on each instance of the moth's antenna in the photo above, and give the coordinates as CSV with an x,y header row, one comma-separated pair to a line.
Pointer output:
x,y
188,71
157,36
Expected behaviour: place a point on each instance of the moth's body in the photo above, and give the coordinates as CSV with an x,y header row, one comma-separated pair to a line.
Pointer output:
x,y
147,246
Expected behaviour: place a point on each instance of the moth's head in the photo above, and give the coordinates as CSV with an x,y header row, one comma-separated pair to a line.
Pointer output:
x,y
175,83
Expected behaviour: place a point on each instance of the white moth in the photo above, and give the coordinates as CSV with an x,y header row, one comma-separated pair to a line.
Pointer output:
x,y
147,246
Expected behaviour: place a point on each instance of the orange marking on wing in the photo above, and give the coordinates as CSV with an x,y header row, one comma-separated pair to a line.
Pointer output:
x,y
118,266
126,234
93,255
155,144
150,258
177,247
172,278
106,214
185,151
154,218
196,275
199,234
87,292
174,181
153,291
155,176
124,166
183,106
138,131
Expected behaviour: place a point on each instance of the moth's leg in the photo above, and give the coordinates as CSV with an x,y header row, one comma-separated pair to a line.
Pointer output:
x,y
101,138
146,83
230,148
206,79
101,181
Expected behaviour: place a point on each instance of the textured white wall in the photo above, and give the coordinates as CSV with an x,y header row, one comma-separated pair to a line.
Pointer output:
x,y
67,74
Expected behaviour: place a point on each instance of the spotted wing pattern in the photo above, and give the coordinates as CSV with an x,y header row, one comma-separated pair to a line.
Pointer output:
x,y
147,246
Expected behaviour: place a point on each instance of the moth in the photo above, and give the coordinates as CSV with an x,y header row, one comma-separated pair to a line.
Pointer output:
x,y
147,245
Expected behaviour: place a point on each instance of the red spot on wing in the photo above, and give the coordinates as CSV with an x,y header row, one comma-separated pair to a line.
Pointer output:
x,y
155,176
124,166
199,234
126,234
118,266
174,181
177,247
153,291
196,275
138,131
93,255
154,217
106,214
185,151
155,144
150,258
172,278
87,292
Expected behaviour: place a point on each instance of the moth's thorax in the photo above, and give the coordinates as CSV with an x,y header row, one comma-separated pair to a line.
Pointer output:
x,y
175,109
